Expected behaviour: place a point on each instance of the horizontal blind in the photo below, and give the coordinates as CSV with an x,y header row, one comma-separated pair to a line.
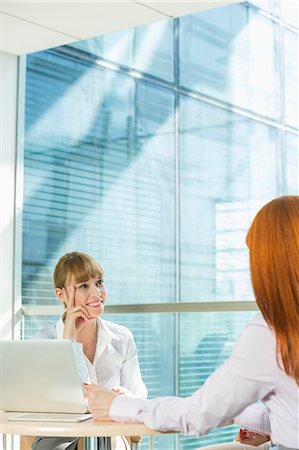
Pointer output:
x,y
99,177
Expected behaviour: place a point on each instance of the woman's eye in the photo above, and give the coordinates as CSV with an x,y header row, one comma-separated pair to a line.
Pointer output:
x,y
84,286
100,282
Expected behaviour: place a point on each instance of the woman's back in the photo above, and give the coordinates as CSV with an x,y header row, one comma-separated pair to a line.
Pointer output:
x,y
255,353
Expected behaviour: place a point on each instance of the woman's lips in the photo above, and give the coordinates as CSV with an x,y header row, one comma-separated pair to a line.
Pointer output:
x,y
98,304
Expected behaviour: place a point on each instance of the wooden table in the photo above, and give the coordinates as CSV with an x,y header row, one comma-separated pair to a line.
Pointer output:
x,y
89,428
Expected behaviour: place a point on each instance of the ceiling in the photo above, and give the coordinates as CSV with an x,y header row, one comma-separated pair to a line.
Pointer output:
x,y
30,26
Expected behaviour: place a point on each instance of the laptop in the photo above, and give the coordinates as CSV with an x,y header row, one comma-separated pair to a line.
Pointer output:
x,y
42,379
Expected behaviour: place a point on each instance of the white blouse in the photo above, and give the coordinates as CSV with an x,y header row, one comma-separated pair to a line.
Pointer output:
x,y
250,374
115,363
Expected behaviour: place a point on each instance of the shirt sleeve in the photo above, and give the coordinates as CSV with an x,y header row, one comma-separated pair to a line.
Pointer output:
x,y
130,376
241,381
254,417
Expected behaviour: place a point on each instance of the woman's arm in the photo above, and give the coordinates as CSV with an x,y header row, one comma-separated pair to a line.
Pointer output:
x,y
254,417
242,380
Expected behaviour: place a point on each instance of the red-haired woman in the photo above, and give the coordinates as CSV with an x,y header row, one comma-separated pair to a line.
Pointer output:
x,y
264,365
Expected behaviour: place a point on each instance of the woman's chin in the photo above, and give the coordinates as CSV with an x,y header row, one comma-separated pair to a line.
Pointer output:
x,y
95,311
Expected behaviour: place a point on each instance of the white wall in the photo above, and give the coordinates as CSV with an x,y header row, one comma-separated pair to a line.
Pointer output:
x,y
8,121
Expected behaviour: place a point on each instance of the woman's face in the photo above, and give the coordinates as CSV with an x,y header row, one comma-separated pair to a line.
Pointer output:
x,y
91,293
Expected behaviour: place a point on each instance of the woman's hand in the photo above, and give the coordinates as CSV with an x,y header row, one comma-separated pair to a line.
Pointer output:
x,y
252,438
75,317
99,401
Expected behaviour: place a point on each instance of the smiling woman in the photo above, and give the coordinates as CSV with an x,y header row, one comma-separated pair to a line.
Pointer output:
x,y
109,348
79,285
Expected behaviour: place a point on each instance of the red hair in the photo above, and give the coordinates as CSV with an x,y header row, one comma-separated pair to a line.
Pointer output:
x,y
273,242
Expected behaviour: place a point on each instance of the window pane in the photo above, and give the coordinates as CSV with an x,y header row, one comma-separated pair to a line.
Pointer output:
x,y
223,181
292,164
99,177
114,162
201,352
271,6
154,335
32,324
291,92
148,48
221,56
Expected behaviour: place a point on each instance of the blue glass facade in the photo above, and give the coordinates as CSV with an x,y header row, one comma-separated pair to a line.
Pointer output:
x,y
152,149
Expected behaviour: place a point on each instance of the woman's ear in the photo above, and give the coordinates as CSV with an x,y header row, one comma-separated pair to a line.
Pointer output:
x,y
59,295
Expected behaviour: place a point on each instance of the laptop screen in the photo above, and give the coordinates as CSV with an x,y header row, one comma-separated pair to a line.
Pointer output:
x,y
42,376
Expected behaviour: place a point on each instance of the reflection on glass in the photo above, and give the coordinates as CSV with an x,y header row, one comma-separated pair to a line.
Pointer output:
x,y
221,56
223,183
99,177
148,48
291,92
31,325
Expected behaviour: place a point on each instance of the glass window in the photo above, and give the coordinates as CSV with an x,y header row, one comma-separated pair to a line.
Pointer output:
x,y
146,173
221,56
291,92
149,48
99,177
200,353
271,6
292,164
206,340
32,324
223,182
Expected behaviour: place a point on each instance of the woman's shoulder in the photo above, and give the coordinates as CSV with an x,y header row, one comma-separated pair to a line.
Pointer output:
x,y
259,324
258,319
256,335
120,331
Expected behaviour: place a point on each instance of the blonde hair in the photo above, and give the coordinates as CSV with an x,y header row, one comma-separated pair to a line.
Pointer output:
x,y
273,242
78,265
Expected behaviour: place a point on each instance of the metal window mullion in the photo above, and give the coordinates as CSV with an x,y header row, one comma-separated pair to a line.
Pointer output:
x,y
283,114
151,308
177,207
18,195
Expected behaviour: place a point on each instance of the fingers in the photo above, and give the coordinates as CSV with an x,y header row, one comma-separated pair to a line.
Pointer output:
x,y
79,311
252,438
118,391
89,387
75,319
72,291
69,296
93,388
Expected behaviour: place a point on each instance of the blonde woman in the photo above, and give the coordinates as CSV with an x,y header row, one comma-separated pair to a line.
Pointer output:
x,y
109,348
